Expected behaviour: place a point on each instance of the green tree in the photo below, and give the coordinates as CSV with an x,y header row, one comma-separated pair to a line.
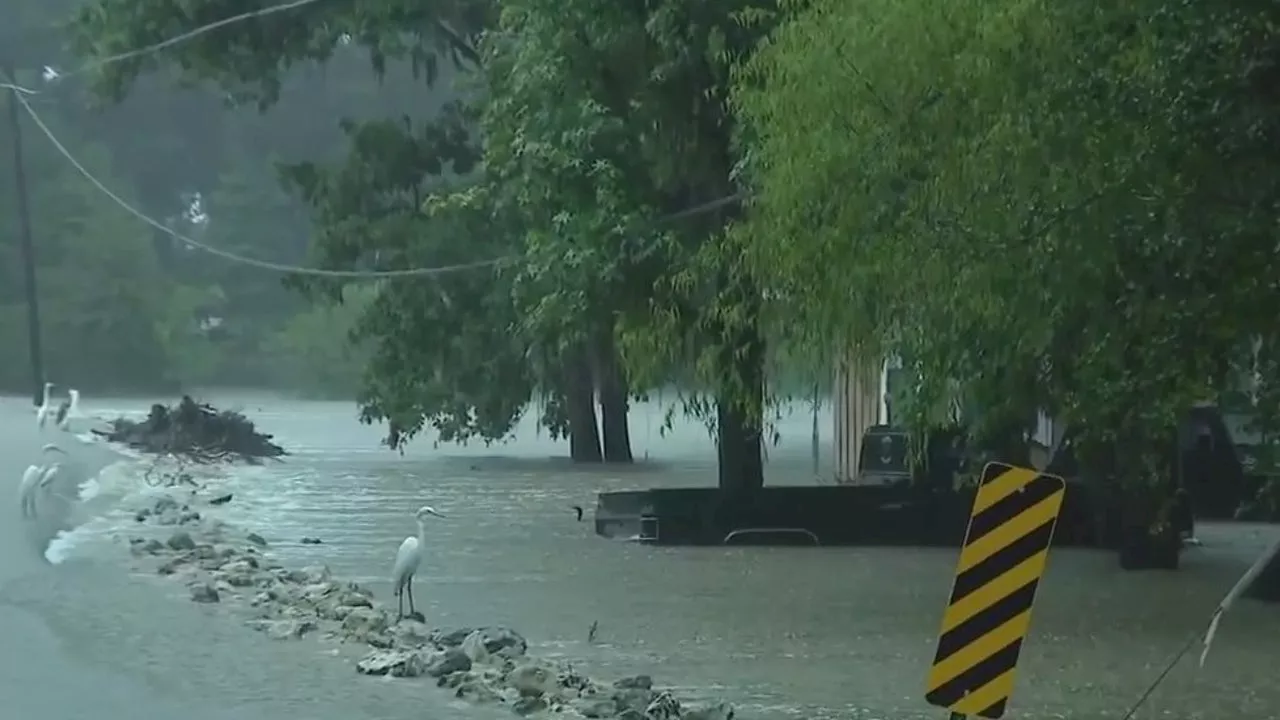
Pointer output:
x,y
1035,205
101,291
600,119
444,350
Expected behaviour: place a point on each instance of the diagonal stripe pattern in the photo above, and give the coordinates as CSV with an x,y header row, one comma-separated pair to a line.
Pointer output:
x,y
1005,551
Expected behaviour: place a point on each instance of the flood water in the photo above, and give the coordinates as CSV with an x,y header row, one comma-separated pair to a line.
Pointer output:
x,y
785,632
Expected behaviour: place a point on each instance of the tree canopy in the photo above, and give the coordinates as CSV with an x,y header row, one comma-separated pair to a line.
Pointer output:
x,y
1035,205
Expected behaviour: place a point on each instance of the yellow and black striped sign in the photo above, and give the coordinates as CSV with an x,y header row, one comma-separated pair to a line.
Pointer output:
x,y
1004,555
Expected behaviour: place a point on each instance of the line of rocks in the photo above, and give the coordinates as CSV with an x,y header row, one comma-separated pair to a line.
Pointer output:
x,y
482,665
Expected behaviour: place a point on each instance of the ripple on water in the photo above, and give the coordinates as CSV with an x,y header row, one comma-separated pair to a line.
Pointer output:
x,y
804,632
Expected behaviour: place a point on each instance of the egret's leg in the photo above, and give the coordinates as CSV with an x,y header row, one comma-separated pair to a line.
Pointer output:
x,y
399,600
409,587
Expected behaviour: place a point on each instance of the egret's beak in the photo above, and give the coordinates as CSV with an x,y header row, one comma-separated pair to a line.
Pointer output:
x,y
433,512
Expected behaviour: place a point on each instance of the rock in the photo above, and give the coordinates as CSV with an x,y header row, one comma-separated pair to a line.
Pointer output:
x,y
476,691
142,515
596,707
381,640
287,629
238,579
636,699
364,622
310,541
188,517
411,632
497,640
573,680
315,574
339,604
164,504
181,540
473,647
172,565
256,539
205,552
153,546
663,707
396,663
630,714
353,599
447,661
709,711
527,705
531,679
204,593
221,499
634,682
634,693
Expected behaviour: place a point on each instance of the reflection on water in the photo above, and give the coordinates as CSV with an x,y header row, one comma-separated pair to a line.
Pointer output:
x,y
815,632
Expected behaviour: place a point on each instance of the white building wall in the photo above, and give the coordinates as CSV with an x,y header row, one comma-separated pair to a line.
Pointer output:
x,y
859,403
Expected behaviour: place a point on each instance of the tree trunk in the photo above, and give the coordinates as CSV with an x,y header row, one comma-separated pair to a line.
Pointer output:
x,y
579,400
740,408
612,381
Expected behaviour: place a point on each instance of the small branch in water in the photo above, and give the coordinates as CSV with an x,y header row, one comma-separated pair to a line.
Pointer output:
x,y
591,631
1234,594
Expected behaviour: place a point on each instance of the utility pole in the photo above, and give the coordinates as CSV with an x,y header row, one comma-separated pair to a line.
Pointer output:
x,y
28,247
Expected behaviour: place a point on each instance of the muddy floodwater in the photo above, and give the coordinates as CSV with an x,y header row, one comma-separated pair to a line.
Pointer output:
x,y
785,632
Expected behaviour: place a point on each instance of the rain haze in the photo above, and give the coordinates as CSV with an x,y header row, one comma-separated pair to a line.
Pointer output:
x,y
347,351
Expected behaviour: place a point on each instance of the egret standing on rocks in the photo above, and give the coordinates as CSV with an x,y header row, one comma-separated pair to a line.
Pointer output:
x,y
68,409
408,558
46,407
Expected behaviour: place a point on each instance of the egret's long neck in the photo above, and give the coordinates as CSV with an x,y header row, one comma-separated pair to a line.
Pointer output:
x,y
46,394
422,533
75,401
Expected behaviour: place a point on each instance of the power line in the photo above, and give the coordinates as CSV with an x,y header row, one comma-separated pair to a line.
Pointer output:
x,y
298,270
233,257
53,76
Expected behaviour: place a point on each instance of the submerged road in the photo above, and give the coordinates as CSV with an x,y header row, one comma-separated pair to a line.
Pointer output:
x,y
85,641
782,632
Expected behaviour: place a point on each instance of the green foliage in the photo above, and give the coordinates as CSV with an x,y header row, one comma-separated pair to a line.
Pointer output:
x,y
1036,205
313,353
251,59
100,287
602,118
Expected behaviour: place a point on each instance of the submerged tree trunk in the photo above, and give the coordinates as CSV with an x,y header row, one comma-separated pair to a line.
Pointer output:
x,y
579,401
612,381
740,408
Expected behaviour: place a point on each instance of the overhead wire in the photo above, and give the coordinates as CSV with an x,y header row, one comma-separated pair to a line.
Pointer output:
x,y
154,47
225,254
20,93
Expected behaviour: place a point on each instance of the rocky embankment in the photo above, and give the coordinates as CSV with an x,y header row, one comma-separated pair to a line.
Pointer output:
x,y
484,664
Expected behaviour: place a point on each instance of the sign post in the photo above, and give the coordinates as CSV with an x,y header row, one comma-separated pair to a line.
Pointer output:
x,y
1006,548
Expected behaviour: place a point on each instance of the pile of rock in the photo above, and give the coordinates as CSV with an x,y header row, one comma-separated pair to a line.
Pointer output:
x,y
483,665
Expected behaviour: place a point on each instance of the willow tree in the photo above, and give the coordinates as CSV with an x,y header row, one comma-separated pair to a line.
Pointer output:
x,y
1037,205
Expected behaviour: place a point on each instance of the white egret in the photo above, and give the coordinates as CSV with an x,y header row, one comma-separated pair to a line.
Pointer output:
x,y
46,407
408,558
26,490
37,476
68,409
